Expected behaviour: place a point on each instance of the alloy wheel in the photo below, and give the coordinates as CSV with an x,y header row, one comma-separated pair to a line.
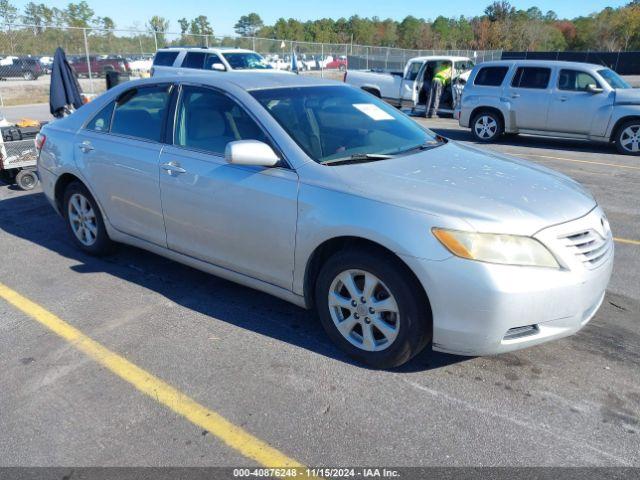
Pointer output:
x,y
486,127
630,138
364,310
82,219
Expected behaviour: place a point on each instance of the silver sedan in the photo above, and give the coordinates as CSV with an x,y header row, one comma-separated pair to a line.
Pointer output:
x,y
322,195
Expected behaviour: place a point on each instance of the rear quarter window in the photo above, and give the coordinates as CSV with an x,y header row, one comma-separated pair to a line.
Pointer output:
x,y
165,59
491,76
102,120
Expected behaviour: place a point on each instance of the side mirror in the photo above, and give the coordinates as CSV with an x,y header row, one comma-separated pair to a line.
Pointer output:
x,y
591,88
250,152
218,66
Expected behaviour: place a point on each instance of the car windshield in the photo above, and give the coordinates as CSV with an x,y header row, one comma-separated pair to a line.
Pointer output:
x,y
613,79
246,60
338,122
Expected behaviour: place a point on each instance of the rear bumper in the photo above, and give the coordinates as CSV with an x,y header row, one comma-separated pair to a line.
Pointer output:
x,y
476,304
48,182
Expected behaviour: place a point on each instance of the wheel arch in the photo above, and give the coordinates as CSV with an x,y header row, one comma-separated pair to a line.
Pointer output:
x,y
61,185
485,108
621,121
375,91
333,245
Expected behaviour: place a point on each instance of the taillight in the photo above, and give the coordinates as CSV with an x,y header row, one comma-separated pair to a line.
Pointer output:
x,y
40,140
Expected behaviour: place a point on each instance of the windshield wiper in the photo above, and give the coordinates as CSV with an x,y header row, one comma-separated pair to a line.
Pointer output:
x,y
358,158
424,146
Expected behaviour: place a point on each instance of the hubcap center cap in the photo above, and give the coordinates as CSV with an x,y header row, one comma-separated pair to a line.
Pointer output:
x,y
362,310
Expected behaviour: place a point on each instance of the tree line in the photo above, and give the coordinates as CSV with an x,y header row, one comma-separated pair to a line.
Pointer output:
x,y
501,26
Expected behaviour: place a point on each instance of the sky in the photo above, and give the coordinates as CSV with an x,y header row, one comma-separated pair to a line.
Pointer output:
x,y
224,14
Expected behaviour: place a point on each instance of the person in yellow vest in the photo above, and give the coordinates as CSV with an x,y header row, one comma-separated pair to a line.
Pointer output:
x,y
441,78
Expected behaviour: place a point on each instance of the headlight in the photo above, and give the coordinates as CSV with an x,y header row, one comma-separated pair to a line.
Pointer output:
x,y
496,248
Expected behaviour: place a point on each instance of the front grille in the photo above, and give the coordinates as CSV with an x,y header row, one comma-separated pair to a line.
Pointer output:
x,y
589,246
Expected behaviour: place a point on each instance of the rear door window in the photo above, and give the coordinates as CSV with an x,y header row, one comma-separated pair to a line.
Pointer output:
x,y
491,76
531,77
165,59
140,112
194,60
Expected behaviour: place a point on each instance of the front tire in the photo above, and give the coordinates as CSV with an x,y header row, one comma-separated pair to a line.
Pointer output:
x,y
84,221
486,126
27,179
372,308
628,138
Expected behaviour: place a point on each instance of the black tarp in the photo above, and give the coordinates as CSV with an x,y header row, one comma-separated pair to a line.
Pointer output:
x,y
65,90
625,63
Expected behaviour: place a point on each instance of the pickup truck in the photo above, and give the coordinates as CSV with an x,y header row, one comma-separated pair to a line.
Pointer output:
x,y
404,89
100,65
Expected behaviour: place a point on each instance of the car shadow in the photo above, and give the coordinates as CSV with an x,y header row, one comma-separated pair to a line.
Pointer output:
x,y
532,141
31,218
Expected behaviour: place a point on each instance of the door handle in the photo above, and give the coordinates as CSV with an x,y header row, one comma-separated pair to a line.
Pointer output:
x,y
85,146
563,98
515,95
172,167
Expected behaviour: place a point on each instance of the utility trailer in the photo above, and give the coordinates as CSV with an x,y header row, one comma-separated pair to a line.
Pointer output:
x,y
18,156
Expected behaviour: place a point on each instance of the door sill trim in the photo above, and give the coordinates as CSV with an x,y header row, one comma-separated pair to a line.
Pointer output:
x,y
210,268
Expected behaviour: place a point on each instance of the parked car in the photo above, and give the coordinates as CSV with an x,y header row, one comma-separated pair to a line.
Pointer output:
x,y
99,65
551,98
193,60
338,63
404,88
20,67
327,197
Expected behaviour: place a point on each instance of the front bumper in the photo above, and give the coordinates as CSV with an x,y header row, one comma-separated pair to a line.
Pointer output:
x,y
475,305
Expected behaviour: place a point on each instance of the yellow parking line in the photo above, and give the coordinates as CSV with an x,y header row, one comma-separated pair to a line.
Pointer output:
x,y
627,240
232,435
631,167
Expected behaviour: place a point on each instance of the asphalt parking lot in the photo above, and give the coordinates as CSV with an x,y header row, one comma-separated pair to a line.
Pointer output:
x,y
267,367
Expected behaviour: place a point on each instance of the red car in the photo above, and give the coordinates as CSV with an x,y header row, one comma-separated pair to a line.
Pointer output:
x,y
99,65
339,63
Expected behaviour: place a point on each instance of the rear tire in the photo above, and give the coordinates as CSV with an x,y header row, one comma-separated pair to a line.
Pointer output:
x,y
486,126
27,179
391,325
628,138
84,221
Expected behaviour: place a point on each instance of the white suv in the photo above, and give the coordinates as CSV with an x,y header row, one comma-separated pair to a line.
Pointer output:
x,y
552,98
190,60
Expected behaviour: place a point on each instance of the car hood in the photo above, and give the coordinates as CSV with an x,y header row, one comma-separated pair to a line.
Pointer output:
x,y
491,192
628,96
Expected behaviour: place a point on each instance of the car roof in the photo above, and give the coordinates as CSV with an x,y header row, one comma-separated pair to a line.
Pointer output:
x,y
543,63
206,49
245,80
440,57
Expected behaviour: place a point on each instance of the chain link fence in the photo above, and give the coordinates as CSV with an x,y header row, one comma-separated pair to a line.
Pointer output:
x,y
26,54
